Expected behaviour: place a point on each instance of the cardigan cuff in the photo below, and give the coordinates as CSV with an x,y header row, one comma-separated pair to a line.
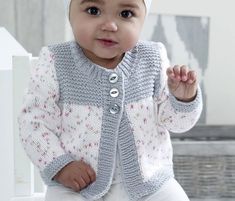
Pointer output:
x,y
54,167
186,107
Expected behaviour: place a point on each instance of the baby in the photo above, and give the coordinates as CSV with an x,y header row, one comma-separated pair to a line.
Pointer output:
x,y
98,110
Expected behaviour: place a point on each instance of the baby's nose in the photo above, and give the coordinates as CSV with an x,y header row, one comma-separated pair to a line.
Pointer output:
x,y
109,25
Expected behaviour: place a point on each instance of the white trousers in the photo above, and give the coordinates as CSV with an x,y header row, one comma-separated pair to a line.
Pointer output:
x,y
170,191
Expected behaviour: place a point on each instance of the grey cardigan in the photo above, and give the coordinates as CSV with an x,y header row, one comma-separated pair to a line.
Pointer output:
x,y
134,113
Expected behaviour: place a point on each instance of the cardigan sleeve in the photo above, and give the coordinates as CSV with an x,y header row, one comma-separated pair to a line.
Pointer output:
x,y
40,119
174,115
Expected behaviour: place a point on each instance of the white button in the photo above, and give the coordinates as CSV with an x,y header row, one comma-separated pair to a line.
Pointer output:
x,y
113,78
114,92
114,109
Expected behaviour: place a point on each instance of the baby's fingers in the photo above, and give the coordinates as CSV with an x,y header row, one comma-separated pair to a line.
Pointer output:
x,y
170,73
192,77
181,73
82,183
91,173
175,72
75,186
184,73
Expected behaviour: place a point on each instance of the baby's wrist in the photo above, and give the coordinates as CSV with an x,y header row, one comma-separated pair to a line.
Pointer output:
x,y
187,100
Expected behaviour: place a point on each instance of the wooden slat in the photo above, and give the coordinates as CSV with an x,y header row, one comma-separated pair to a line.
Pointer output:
x,y
6,132
207,132
23,167
206,176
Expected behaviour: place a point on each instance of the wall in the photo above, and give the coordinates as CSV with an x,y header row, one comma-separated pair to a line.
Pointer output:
x,y
220,73
34,23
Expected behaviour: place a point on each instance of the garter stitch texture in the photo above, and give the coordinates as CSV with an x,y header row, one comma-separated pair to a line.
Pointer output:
x,y
71,113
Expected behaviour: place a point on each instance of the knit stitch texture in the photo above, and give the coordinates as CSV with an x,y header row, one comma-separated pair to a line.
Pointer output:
x,y
75,109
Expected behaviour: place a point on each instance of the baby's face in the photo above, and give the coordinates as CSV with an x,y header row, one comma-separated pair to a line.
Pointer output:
x,y
107,28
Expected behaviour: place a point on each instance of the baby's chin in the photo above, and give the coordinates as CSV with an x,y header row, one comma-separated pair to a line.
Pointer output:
x,y
109,55
104,54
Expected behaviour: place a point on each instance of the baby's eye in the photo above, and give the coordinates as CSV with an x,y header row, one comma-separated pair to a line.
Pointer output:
x,y
126,14
93,11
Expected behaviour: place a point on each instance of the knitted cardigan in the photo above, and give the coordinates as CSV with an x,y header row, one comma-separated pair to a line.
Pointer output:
x,y
76,110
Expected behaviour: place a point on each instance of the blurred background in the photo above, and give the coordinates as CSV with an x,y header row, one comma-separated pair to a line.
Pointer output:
x,y
198,33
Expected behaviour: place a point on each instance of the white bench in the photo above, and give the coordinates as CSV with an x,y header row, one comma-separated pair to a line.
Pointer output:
x,y
27,182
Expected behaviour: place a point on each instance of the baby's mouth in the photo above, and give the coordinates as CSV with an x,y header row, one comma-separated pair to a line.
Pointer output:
x,y
107,42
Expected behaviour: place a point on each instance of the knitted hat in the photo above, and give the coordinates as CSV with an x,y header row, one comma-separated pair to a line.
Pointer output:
x,y
147,4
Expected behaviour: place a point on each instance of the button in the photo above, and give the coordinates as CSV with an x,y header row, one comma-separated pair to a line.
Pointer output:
x,y
113,78
114,92
114,109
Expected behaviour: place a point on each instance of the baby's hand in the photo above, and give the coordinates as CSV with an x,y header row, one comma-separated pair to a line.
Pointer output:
x,y
76,175
182,82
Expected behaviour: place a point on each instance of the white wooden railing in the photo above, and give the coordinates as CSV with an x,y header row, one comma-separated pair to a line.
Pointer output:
x,y
28,185
6,134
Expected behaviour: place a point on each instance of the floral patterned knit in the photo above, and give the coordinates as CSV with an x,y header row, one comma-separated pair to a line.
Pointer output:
x,y
77,110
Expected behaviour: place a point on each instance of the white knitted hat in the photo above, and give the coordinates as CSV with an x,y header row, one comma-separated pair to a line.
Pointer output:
x,y
147,4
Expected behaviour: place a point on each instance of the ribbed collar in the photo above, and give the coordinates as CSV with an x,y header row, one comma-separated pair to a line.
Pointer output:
x,y
95,71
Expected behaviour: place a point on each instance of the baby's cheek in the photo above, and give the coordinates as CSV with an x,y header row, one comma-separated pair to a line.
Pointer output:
x,y
130,40
81,36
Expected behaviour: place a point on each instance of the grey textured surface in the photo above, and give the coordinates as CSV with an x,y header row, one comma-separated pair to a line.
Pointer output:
x,y
208,199
7,15
34,23
187,35
160,35
195,37
204,162
205,170
204,148
29,24
207,132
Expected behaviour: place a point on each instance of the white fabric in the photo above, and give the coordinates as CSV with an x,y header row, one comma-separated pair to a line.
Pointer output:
x,y
117,178
81,124
157,143
147,4
170,191
81,127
